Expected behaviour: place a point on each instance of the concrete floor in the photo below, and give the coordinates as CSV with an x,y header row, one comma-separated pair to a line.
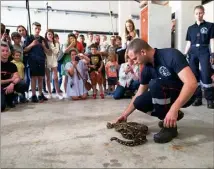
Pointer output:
x,y
62,134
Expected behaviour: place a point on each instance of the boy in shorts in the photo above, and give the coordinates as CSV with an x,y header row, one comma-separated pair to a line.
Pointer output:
x,y
95,72
36,47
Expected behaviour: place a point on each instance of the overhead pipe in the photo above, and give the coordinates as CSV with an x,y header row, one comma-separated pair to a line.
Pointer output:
x,y
72,11
29,21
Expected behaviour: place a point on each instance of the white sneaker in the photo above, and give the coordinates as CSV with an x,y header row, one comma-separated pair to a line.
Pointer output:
x,y
60,97
27,95
65,96
49,96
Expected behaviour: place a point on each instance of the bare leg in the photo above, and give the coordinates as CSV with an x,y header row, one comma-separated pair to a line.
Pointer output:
x,y
113,88
40,84
65,83
48,81
94,89
55,77
101,88
109,89
33,85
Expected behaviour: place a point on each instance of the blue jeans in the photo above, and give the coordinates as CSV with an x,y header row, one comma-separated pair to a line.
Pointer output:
x,y
27,76
60,76
120,90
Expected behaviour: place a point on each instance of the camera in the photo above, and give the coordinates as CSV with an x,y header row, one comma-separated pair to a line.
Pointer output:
x,y
129,38
71,83
77,58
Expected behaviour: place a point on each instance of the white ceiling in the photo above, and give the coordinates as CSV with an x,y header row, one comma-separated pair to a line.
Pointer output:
x,y
94,6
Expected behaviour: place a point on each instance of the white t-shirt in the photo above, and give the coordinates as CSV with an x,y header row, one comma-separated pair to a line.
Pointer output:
x,y
124,41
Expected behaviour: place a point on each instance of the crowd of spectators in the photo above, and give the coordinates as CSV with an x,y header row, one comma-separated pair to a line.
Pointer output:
x,y
38,67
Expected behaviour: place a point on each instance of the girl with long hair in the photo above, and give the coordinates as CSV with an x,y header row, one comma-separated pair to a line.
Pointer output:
x,y
52,63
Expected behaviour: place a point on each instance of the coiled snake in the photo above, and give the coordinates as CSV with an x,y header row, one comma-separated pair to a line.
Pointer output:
x,y
131,131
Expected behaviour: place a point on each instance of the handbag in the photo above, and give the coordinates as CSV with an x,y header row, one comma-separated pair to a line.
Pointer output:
x,y
87,85
60,55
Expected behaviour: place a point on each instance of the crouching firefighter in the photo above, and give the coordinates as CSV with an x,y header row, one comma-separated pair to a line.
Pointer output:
x,y
167,84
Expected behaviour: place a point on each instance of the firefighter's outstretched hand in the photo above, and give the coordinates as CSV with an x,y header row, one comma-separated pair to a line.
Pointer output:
x,y
120,119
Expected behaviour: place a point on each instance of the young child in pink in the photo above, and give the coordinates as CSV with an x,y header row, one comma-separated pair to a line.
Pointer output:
x,y
111,72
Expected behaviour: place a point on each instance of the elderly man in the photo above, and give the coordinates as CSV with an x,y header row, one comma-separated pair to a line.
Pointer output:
x,y
171,85
10,80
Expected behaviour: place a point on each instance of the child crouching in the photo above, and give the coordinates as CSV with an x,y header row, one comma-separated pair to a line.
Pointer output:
x,y
20,67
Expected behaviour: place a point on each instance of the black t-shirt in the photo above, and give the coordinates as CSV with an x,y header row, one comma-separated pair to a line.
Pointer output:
x,y
96,60
84,44
36,53
168,63
121,55
7,70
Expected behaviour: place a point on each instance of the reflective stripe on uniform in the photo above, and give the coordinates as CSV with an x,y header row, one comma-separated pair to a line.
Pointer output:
x,y
161,101
207,85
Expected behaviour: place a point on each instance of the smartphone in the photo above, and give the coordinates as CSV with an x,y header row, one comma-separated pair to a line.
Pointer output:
x,y
39,39
7,31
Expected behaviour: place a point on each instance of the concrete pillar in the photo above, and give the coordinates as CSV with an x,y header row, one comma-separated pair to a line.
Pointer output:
x,y
184,15
124,13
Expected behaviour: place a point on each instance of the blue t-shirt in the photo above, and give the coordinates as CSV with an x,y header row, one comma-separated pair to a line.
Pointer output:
x,y
167,64
37,52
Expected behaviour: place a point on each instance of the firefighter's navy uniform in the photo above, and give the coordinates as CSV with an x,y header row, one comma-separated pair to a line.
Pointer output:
x,y
164,86
199,53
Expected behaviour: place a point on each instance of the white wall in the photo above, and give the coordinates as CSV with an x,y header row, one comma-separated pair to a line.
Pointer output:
x,y
184,16
16,17
209,11
159,26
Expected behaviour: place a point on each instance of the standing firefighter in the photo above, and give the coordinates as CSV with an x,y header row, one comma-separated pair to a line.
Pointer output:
x,y
200,47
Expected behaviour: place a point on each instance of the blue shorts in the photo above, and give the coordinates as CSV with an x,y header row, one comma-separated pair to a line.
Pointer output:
x,y
112,81
37,68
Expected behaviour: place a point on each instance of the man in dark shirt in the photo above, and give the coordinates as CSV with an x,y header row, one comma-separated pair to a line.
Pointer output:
x,y
199,37
10,80
171,85
36,47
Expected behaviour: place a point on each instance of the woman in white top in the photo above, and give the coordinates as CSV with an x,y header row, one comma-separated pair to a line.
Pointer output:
x,y
52,63
128,79
130,34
